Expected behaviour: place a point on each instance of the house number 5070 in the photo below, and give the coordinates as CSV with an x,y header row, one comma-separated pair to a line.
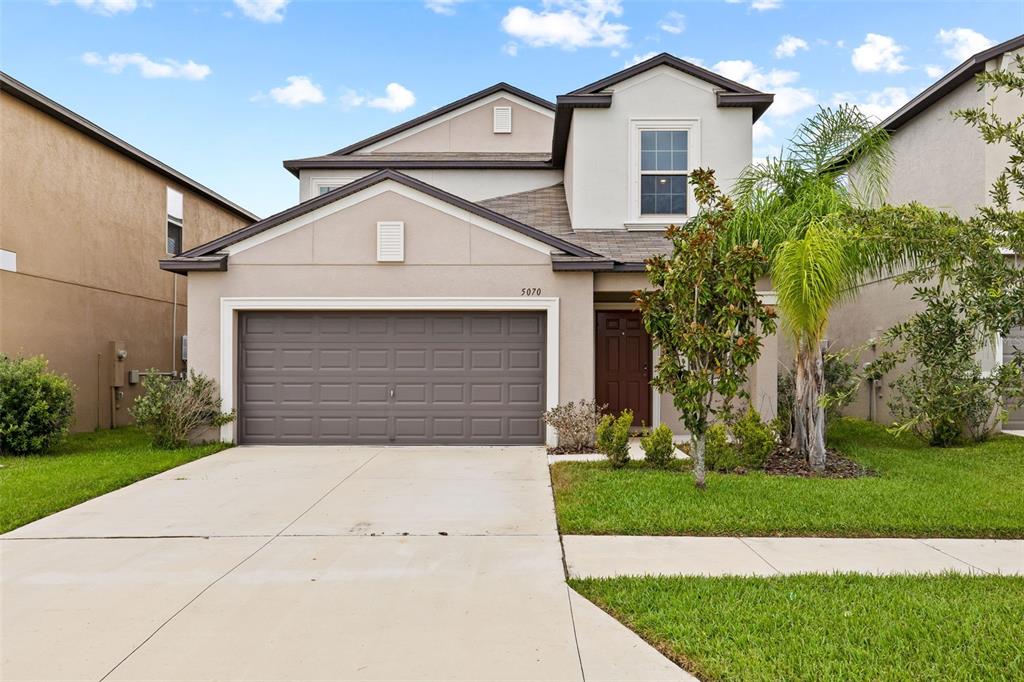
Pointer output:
x,y
530,291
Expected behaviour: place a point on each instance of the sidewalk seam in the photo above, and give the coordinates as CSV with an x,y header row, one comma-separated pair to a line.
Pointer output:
x,y
769,564
941,551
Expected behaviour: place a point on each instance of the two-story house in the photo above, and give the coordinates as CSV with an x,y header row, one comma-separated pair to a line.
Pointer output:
x,y
925,138
449,279
83,216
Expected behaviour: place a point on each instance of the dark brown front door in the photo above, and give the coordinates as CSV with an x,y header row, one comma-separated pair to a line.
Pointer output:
x,y
623,364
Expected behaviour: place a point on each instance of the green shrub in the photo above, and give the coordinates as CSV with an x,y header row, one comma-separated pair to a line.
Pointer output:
x,y
36,406
613,437
172,410
719,453
753,439
575,424
658,446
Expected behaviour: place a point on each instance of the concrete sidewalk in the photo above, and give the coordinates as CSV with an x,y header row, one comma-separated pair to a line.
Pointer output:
x,y
312,563
602,556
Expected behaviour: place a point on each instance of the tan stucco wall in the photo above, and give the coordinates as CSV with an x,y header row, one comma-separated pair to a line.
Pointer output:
x,y
600,141
941,162
88,225
473,131
445,257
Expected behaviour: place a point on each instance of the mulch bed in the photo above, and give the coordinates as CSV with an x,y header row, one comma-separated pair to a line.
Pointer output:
x,y
786,462
571,451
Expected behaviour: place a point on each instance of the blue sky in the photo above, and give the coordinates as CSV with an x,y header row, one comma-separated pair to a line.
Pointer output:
x,y
224,91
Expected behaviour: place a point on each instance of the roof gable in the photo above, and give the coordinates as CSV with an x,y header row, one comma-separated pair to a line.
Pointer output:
x,y
209,256
665,59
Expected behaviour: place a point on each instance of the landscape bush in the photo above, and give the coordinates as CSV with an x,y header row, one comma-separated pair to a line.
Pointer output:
x,y
36,406
172,410
753,439
613,437
719,454
576,424
658,446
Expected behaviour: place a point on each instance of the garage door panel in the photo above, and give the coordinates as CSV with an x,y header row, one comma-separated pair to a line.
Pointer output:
x,y
379,377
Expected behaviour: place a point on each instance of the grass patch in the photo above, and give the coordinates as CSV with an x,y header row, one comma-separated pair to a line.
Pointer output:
x,y
826,627
85,466
974,491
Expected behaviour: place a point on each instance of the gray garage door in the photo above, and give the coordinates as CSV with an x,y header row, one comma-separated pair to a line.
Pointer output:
x,y
1013,345
376,377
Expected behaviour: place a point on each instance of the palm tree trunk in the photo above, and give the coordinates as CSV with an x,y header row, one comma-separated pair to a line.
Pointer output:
x,y
698,460
809,415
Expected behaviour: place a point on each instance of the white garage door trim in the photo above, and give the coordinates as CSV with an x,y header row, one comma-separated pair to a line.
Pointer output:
x,y
229,307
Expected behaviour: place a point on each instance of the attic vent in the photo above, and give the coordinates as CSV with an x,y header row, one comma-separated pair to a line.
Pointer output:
x,y
391,242
503,119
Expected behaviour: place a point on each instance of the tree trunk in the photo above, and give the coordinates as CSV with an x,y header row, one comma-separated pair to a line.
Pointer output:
x,y
698,460
809,415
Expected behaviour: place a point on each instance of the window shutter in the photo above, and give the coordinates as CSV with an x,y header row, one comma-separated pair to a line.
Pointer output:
x,y
503,119
391,242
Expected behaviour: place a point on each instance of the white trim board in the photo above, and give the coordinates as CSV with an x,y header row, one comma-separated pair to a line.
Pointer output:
x,y
374,191
230,306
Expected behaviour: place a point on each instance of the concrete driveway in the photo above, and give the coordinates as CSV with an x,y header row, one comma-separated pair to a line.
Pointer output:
x,y
303,563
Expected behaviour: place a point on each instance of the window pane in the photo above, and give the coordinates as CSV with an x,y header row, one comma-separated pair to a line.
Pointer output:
x,y
664,140
173,238
663,195
175,204
679,161
678,140
647,140
664,160
647,161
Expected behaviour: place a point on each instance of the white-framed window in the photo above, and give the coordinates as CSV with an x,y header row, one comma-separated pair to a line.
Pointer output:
x,y
662,154
390,241
502,119
324,189
175,221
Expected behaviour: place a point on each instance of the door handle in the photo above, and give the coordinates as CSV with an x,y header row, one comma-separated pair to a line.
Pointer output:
x,y
391,392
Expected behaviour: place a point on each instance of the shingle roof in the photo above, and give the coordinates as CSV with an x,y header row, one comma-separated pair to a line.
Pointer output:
x,y
376,160
546,209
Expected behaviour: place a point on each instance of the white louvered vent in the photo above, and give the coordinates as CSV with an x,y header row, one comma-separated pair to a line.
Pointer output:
x,y
503,119
391,242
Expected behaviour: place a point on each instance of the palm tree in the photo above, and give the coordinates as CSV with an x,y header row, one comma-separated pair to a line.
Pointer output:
x,y
804,208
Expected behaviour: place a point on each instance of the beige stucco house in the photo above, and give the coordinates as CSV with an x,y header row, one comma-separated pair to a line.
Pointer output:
x,y
941,162
449,279
83,217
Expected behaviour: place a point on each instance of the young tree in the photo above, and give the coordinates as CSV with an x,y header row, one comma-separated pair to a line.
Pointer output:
x,y
972,291
801,208
704,314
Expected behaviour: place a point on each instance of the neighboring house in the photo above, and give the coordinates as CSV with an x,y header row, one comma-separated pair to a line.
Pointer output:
x,y
449,279
83,217
941,162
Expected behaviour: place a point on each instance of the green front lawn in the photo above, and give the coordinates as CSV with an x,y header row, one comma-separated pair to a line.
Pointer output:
x,y
818,627
85,466
975,491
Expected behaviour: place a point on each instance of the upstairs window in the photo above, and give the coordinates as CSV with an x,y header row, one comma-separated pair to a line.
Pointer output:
x,y
175,221
663,171
662,153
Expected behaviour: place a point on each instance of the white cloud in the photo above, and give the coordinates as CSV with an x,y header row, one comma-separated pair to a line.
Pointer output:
x,y
789,46
674,23
763,5
510,48
762,131
962,43
265,11
299,92
879,53
878,104
637,58
168,68
788,99
446,7
933,71
396,98
108,7
568,24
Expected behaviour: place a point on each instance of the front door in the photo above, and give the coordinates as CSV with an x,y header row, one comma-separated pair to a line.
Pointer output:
x,y
623,364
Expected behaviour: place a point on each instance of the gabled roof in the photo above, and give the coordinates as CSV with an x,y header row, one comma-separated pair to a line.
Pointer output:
x,y
593,96
202,257
17,89
951,81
